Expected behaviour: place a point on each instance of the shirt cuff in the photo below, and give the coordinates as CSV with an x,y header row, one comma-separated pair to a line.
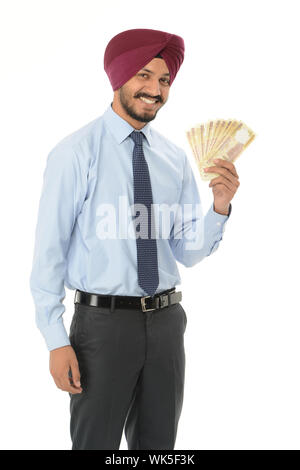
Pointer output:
x,y
214,219
55,336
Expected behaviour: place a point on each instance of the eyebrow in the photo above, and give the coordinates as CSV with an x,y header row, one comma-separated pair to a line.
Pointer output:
x,y
150,71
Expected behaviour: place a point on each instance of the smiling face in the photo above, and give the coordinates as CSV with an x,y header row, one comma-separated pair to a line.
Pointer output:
x,y
139,99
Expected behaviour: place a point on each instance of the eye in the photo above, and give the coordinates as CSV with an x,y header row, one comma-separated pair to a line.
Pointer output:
x,y
166,81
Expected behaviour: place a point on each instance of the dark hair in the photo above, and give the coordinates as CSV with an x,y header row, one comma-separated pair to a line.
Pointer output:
x,y
158,55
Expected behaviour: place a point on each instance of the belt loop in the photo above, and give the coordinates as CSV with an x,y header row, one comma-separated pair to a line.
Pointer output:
x,y
112,303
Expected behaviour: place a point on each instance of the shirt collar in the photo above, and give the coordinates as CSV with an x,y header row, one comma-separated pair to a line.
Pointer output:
x,y
120,128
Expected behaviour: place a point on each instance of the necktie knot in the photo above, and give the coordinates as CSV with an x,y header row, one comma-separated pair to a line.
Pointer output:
x,y
137,137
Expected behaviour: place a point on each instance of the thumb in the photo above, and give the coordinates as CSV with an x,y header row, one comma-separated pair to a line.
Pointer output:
x,y
75,373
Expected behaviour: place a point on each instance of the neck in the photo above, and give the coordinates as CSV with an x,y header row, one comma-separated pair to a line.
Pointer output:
x,y
116,106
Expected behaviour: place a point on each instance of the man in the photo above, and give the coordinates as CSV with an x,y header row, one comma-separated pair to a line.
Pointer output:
x,y
123,363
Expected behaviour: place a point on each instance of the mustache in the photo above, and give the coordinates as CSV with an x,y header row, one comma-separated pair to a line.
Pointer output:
x,y
158,98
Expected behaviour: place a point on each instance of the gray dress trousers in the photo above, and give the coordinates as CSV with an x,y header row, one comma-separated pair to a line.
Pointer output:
x,y
132,366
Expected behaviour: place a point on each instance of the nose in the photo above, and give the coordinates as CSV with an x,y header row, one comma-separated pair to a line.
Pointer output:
x,y
153,89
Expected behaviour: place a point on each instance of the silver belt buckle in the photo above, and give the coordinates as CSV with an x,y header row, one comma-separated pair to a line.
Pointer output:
x,y
143,303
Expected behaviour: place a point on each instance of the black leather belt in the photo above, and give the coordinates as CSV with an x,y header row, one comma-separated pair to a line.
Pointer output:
x,y
163,299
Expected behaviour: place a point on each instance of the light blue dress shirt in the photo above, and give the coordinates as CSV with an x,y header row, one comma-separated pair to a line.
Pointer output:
x,y
86,172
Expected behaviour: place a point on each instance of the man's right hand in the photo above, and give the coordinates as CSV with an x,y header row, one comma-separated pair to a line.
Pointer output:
x,y
61,361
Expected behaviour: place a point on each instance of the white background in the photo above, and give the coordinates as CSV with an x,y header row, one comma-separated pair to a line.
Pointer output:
x,y
242,339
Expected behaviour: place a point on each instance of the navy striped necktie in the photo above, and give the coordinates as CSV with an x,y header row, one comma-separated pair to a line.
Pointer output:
x,y
147,263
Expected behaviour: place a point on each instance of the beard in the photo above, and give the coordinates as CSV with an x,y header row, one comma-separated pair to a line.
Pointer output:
x,y
130,108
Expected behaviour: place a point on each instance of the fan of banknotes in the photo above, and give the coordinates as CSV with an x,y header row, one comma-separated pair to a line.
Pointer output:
x,y
218,139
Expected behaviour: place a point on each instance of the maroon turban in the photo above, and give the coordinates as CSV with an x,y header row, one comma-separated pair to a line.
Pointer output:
x,y
129,51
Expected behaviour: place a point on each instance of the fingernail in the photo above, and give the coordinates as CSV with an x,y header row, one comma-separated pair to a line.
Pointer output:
x,y
215,160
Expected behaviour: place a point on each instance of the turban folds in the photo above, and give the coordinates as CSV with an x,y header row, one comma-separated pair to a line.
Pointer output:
x,y
129,51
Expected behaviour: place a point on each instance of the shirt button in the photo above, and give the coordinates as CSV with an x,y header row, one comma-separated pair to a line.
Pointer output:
x,y
218,223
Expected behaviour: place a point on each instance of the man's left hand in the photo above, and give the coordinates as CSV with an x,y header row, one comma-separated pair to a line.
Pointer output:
x,y
224,186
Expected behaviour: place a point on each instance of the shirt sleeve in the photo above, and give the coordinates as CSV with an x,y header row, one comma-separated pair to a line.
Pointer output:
x,y
194,236
63,194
